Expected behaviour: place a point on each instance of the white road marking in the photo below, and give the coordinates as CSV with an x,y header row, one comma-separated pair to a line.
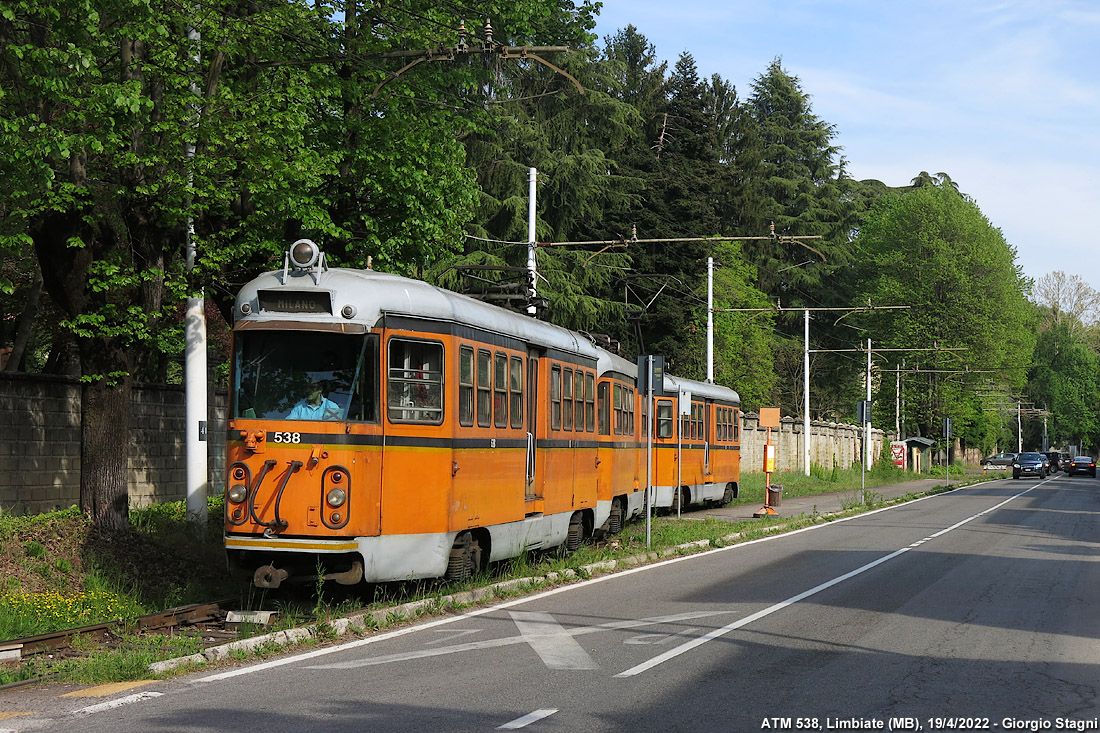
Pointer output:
x,y
555,646
450,635
689,645
527,719
510,640
111,704
655,639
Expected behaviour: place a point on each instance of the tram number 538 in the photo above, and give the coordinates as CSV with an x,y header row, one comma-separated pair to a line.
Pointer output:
x,y
278,437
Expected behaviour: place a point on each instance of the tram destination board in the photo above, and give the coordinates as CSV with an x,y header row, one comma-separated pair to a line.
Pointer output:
x,y
295,301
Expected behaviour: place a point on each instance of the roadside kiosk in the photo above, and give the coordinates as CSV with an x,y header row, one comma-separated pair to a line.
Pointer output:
x,y
920,453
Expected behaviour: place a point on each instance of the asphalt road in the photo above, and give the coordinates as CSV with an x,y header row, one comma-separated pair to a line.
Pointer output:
x,y
971,610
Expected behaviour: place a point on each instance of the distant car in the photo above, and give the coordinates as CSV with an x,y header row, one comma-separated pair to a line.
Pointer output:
x,y
998,462
1082,465
1055,461
1029,464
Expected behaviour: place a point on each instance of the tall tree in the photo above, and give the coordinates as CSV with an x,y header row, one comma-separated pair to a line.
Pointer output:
x,y
99,102
932,249
804,189
1069,299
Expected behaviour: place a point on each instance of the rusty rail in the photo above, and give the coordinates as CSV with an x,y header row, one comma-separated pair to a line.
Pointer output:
x,y
183,615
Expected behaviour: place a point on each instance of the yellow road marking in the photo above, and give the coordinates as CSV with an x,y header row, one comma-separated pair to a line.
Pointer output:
x,y
109,689
5,716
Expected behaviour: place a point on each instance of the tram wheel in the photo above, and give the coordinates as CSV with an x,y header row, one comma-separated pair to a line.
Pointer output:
x,y
615,521
677,501
576,532
728,495
465,558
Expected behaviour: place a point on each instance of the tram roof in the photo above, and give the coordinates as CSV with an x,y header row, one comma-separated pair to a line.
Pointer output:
x,y
376,294
609,362
708,390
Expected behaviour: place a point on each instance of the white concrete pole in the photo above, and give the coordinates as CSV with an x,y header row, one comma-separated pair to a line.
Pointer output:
x,y
194,364
806,393
532,268
710,319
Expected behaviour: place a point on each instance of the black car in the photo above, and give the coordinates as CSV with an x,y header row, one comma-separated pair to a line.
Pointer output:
x,y
1082,465
1029,464
1055,461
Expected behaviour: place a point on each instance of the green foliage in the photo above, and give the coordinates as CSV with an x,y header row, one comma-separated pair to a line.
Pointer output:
x,y
1065,379
932,250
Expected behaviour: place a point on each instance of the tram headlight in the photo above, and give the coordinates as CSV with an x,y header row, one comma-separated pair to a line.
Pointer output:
x,y
304,254
336,498
237,493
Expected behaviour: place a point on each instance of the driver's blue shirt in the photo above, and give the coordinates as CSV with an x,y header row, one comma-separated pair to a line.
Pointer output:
x,y
327,410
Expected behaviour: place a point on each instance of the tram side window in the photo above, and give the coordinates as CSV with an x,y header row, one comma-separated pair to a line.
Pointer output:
x,y
645,417
736,425
697,421
619,414
578,397
500,390
605,409
555,398
484,388
664,418
466,386
567,399
589,403
629,413
415,393
516,392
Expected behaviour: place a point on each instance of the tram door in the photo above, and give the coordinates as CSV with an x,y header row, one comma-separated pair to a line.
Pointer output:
x,y
532,481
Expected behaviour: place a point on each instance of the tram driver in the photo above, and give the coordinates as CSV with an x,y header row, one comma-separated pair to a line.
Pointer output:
x,y
314,406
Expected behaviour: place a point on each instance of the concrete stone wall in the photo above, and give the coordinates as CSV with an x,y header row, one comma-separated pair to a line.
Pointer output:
x,y
831,444
40,443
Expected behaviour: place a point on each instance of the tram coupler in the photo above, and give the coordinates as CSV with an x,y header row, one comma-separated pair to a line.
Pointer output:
x,y
269,576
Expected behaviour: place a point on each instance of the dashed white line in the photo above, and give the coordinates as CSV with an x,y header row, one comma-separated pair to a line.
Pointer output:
x,y
528,719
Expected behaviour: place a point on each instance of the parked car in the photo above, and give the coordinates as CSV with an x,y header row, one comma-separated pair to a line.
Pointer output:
x,y
1083,465
1029,464
998,462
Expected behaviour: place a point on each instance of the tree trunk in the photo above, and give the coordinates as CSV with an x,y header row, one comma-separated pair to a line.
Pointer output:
x,y
23,327
105,437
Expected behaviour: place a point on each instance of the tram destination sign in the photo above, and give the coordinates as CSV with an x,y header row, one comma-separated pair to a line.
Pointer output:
x,y
295,301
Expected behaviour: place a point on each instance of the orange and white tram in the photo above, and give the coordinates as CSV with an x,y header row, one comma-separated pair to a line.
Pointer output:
x,y
384,429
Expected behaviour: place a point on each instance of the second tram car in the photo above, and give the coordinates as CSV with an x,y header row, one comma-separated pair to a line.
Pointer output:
x,y
384,429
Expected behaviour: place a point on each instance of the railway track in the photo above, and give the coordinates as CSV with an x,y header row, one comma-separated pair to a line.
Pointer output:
x,y
208,617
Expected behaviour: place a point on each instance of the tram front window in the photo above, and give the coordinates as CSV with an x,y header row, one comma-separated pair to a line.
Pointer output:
x,y
305,375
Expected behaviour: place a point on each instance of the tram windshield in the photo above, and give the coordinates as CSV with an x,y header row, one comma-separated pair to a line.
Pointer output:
x,y
305,375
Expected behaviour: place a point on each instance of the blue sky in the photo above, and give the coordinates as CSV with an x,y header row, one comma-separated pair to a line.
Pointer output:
x,y
1003,96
